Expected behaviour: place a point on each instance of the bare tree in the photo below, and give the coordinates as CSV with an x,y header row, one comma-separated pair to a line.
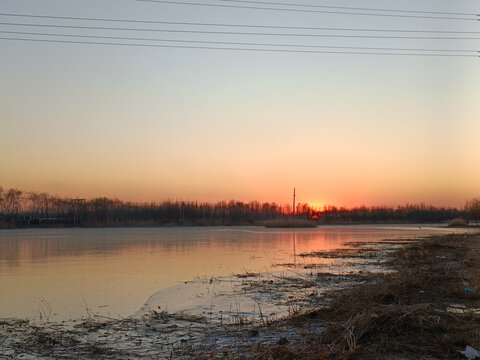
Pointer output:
x,y
472,208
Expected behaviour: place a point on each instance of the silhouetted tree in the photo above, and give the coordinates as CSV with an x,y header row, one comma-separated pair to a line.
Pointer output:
x,y
42,208
472,208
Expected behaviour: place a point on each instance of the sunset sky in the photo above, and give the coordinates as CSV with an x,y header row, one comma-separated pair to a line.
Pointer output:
x,y
151,123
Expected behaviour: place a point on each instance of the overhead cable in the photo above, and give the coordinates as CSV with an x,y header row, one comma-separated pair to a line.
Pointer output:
x,y
232,25
472,18
241,33
239,49
352,8
235,43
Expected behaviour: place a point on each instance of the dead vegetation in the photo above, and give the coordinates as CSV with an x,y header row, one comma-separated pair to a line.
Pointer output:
x,y
405,315
342,253
458,222
46,342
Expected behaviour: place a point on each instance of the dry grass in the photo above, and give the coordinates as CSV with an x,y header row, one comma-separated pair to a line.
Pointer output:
x,y
342,253
457,222
400,315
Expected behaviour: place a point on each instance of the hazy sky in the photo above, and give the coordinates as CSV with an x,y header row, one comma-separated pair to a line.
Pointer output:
x,y
142,123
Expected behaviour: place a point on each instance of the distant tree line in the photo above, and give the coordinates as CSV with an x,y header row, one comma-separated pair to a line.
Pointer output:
x,y
18,208
30,208
416,213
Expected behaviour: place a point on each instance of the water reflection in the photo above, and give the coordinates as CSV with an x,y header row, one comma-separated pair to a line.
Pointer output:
x,y
19,246
294,241
114,270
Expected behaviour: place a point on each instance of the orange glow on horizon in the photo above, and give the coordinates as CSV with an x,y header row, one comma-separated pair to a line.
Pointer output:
x,y
316,206
164,124
348,197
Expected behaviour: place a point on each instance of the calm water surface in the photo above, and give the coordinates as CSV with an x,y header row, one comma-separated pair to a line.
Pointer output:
x,y
113,271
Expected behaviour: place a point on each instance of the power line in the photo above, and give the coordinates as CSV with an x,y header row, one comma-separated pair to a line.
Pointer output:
x,y
241,33
238,49
233,25
309,11
352,8
236,43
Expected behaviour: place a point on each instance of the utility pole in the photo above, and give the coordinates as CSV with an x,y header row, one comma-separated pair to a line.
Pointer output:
x,y
293,202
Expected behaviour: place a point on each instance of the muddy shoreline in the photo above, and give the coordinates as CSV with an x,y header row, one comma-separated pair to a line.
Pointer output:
x,y
429,308
391,298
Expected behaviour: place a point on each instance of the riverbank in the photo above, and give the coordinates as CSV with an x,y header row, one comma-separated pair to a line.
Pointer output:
x,y
405,298
428,308
268,224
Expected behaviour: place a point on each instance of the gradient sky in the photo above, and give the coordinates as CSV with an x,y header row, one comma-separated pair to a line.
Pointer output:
x,y
147,124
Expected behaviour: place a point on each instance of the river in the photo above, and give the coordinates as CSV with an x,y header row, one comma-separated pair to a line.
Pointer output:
x,y
68,273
